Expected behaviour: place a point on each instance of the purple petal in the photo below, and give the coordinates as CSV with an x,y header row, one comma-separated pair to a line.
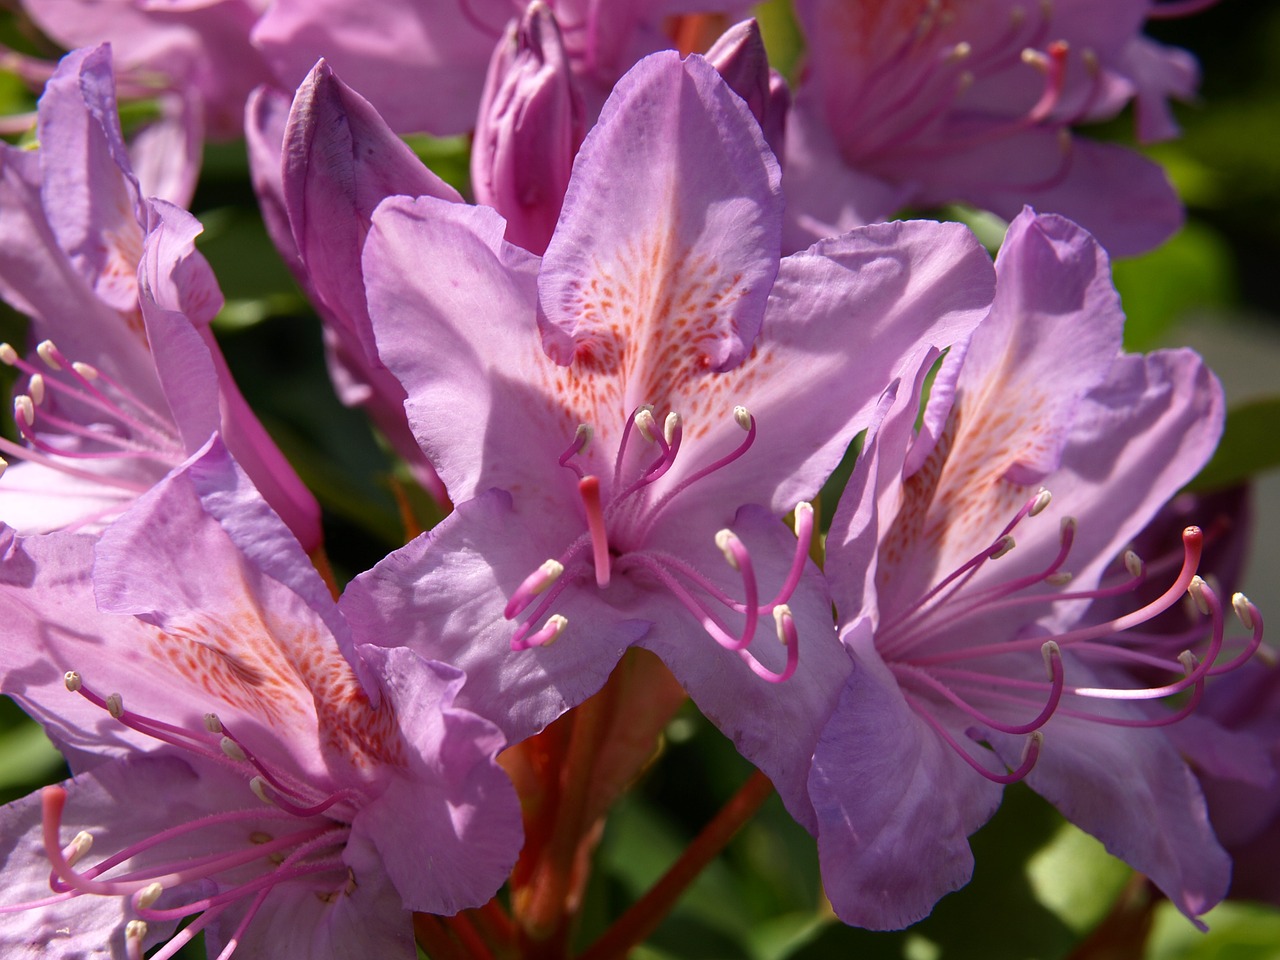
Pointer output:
x,y
668,236
895,804
448,832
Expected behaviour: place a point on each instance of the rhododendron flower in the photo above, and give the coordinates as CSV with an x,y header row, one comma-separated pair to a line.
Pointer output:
x,y
127,380
193,59
321,165
624,421
393,50
930,102
967,562
231,767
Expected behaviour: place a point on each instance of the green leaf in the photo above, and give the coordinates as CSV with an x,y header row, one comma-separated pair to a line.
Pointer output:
x,y
782,38
1248,446
1192,271
1237,931
27,758
1075,878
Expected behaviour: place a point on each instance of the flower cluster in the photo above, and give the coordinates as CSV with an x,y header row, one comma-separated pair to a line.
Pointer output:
x,y
626,375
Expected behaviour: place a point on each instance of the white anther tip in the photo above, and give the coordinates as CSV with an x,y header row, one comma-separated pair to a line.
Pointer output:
x,y
1042,500
670,426
960,51
232,749
1002,546
86,370
1244,610
1051,652
72,680
1188,661
557,623
645,423
115,705
586,434
1067,528
725,540
1197,589
1034,58
135,930
551,569
742,417
24,409
259,788
212,723
1059,579
781,618
148,895
49,354
80,844
8,355
1133,563
35,388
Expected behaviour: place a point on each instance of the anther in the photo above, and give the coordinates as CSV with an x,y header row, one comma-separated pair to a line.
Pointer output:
x,y
725,541
135,931
1003,546
1067,529
80,845
781,620
232,749
1196,589
803,517
72,680
86,370
1042,500
550,631
24,410
1059,579
115,705
585,434
1034,58
742,417
1244,610
1133,563
212,723
50,354
35,388
8,355
1051,652
1188,661
147,896
645,423
259,788
960,51
532,585
670,426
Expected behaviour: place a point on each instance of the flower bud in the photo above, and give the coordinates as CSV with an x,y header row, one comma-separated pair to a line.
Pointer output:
x,y
531,123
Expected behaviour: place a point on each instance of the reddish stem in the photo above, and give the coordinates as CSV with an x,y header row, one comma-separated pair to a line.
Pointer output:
x,y
644,916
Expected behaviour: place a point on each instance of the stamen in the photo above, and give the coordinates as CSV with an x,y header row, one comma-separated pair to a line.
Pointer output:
x,y
147,896
8,355
35,388
550,631
1039,502
135,931
1003,546
581,440
212,723
589,489
80,844
233,750
51,355
533,585
115,705
645,423
85,370
742,417
24,411
670,426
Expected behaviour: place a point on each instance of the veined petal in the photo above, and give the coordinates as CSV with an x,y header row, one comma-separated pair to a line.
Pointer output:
x,y
449,830
895,804
443,596
846,317
443,272
667,244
